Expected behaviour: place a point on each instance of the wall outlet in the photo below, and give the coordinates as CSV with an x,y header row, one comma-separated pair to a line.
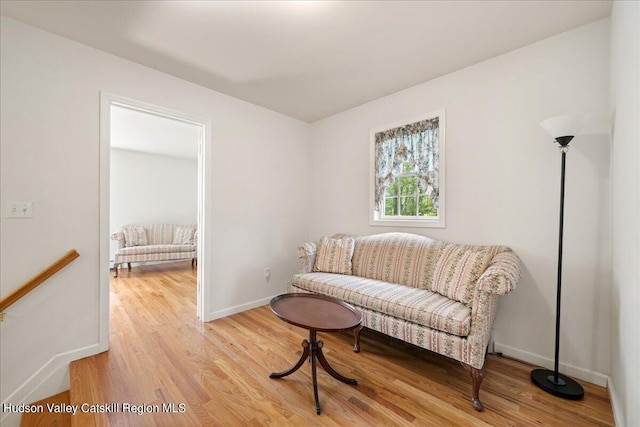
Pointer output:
x,y
267,274
19,209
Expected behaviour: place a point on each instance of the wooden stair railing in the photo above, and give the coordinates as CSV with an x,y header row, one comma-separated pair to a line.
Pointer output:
x,y
36,280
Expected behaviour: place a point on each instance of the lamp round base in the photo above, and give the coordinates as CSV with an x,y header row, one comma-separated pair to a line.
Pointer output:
x,y
566,387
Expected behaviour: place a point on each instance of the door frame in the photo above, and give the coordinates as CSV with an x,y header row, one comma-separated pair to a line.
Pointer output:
x,y
205,162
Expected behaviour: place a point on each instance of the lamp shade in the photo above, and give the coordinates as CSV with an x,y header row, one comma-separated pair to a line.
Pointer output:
x,y
567,125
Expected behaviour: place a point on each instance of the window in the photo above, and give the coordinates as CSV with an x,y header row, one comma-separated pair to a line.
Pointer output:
x,y
407,176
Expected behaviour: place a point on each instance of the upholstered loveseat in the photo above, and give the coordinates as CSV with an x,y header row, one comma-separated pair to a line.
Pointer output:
x,y
156,242
433,294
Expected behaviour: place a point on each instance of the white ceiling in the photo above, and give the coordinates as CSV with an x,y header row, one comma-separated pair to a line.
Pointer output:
x,y
148,133
307,59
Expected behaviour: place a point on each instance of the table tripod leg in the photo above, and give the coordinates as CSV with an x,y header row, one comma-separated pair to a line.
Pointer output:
x,y
305,354
325,364
314,377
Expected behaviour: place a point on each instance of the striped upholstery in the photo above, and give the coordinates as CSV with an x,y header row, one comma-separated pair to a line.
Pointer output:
x,y
184,234
307,255
470,349
502,275
135,235
160,234
483,313
433,294
160,245
155,256
431,339
334,255
160,249
416,305
405,259
120,238
459,268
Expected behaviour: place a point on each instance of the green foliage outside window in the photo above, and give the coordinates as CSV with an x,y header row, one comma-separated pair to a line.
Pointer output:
x,y
404,198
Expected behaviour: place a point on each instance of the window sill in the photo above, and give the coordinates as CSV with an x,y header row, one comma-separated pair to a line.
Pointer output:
x,y
403,222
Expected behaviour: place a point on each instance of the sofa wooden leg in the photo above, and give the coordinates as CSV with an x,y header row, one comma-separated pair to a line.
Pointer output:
x,y
129,266
115,267
477,375
356,333
193,261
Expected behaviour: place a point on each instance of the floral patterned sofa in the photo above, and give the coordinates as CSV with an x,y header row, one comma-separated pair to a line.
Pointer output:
x,y
436,295
156,242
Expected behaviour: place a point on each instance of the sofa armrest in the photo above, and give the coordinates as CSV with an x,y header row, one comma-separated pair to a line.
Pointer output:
x,y
307,255
502,275
119,236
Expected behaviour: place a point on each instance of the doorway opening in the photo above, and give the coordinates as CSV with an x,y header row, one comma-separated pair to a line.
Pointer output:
x,y
137,134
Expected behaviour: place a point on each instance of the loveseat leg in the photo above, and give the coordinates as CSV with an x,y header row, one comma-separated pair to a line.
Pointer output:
x,y
115,268
477,375
356,333
129,266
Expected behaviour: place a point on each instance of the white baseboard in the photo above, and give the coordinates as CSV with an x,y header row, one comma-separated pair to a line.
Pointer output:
x,y
239,308
573,371
616,406
52,378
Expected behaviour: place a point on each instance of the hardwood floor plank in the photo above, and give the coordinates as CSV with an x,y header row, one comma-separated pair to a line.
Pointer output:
x,y
46,418
161,354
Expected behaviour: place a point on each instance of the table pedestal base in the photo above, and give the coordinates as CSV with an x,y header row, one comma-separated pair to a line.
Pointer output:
x,y
313,348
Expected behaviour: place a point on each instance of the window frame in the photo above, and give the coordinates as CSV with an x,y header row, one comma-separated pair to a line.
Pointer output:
x,y
378,218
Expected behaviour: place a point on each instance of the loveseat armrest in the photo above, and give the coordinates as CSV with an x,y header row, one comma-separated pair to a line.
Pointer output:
x,y
307,255
502,275
119,236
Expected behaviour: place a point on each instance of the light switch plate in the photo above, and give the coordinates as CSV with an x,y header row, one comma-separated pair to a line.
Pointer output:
x,y
19,210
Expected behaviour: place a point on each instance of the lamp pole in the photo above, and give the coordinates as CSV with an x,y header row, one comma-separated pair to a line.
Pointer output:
x,y
564,148
554,382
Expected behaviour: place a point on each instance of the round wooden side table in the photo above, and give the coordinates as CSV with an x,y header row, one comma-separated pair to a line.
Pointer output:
x,y
315,313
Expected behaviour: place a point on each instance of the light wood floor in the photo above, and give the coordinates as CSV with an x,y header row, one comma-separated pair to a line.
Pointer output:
x,y
160,353
46,418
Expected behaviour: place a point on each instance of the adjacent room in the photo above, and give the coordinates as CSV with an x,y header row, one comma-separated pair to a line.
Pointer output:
x,y
319,213
153,181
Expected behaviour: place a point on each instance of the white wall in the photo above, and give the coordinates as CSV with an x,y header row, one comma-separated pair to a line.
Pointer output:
x,y
503,176
50,91
151,189
625,298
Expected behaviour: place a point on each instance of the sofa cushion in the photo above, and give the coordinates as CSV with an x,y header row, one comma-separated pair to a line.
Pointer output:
x,y
416,305
160,234
158,249
135,235
458,269
403,258
334,255
183,234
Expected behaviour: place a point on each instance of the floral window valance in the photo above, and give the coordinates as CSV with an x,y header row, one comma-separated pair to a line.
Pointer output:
x,y
412,148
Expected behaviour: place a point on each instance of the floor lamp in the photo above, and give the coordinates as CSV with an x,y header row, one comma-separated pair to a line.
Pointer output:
x,y
562,129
